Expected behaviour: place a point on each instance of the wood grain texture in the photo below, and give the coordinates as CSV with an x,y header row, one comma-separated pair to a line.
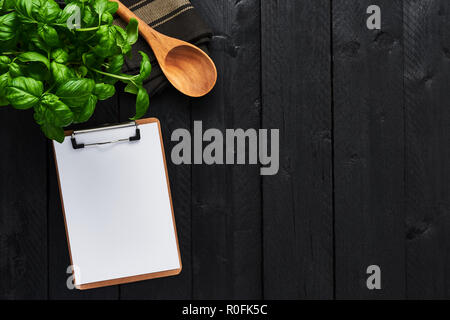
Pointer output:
x,y
59,258
368,131
23,207
298,222
365,112
427,78
226,199
173,111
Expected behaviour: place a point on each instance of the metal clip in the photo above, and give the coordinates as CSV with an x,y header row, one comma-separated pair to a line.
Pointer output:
x,y
137,137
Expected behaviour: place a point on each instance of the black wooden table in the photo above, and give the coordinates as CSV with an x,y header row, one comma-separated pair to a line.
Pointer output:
x,y
364,121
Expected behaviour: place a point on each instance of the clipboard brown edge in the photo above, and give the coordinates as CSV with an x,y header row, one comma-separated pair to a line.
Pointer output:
x,y
142,277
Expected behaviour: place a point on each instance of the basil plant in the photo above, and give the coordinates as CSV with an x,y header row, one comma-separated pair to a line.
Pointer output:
x,y
61,61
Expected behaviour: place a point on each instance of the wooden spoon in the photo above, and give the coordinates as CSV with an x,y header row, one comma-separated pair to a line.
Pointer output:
x,y
189,69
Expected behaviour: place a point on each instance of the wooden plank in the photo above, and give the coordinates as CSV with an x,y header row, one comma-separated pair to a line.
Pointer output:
x,y
298,222
427,78
59,259
173,111
23,207
226,199
368,131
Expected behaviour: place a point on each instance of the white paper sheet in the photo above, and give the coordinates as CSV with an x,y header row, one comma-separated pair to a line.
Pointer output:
x,y
117,205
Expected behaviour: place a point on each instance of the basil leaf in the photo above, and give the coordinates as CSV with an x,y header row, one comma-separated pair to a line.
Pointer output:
x,y
37,71
53,132
8,5
116,64
107,18
34,57
131,88
8,25
24,7
100,6
89,17
122,40
4,81
146,67
15,70
142,103
104,91
49,35
84,113
52,116
55,111
60,55
132,31
4,63
24,93
107,42
49,11
61,73
112,7
76,92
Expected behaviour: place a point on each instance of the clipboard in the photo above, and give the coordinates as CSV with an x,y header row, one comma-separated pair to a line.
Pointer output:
x,y
113,239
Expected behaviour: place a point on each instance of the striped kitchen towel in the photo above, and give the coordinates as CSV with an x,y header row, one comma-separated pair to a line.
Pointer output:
x,y
175,18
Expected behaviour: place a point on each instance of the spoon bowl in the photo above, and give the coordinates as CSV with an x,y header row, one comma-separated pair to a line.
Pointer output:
x,y
188,68
189,72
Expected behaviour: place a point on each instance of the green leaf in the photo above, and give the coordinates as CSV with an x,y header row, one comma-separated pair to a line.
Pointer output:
x,y
4,81
116,64
132,31
90,59
142,103
76,92
8,26
8,5
24,93
106,46
104,91
15,70
122,40
55,111
37,71
107,18
53,132
81,71
146,67
38,42
24,7
4,63
34,57
60,55
61,73
84,113
52,115
131,88
112,7
4,60
100,6
89,17
49,11
49,35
